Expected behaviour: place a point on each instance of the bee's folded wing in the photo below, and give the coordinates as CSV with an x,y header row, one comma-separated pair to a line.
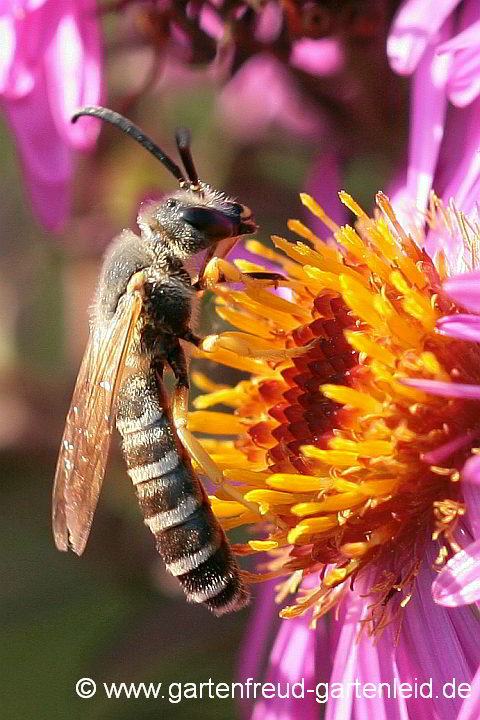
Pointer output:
x,y
88,428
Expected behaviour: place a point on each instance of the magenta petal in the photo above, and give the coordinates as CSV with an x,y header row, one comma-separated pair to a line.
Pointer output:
x,y
471,493
269,23
362,661
264,76
31,36
211,23
465,290
469,38
252,654
46,160
318,57
442,452
471,470
459,581
413,28
7,48
437,644
464,327
292,660
458,177
445,389
74,78
471,706
464,76
427,120
462,169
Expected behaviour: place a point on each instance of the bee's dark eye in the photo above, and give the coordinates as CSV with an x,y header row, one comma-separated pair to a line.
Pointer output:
x,y
237,209
171,202
211,222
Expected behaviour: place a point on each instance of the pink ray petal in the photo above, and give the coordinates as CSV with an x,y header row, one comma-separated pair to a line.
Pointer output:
x,y
465,290
292,659
464,76
7,48
466,39
361,659
427,120
464,169
415,25
269,23
264,76
471,706
75,78
459,581
445,389
463,84
47,161
440,454
464,327
438,644
252,655
471,470
471,493
318,57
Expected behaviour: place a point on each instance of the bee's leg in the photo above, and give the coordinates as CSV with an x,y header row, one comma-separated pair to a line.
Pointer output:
x,y
190,337
249,346
219,270
242,344
177,362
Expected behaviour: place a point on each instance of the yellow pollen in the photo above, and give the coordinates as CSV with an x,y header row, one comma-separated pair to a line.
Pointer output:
x,y
215,422
315,208
297,483
263,545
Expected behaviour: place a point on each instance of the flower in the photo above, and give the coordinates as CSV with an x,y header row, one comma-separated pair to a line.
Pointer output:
x,y
350,468
459,582
50,64
439,44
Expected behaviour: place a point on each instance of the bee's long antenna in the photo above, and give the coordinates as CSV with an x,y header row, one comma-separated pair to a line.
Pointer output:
x,y
129,128
182,136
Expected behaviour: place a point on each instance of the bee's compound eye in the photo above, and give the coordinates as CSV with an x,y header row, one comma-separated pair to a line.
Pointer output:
x,y
213,223
171,203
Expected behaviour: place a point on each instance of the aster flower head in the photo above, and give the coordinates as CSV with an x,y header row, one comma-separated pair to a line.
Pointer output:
x,y
50,64
359,467
355,466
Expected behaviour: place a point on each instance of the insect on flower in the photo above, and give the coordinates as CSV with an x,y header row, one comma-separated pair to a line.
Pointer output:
x,y
141,311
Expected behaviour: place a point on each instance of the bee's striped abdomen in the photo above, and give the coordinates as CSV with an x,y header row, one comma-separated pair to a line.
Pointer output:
x,y
173,502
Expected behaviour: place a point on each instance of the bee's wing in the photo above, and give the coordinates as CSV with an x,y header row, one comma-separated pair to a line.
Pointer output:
x,y
88,428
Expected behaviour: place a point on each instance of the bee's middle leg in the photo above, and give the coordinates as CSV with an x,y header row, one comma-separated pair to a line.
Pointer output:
x,y
177,362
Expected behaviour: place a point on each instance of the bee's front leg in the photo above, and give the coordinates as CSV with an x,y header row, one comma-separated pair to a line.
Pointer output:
x,y
219,270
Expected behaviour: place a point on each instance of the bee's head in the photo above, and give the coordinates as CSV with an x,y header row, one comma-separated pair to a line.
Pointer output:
x,y
194,218
189,221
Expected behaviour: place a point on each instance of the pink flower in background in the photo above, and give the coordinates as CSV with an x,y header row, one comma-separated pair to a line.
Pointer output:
x,y
50,64
439,44
262,93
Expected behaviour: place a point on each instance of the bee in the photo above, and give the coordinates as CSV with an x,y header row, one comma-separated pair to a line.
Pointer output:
x,y
141,311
